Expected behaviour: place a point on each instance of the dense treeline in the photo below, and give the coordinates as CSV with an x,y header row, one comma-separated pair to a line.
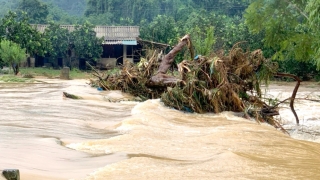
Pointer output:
x,y
55,42
285,30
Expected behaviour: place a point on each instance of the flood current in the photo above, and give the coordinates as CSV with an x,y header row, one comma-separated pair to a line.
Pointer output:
x,y
47,136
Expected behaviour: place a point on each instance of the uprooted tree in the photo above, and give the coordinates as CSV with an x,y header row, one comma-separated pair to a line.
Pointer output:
x,y
207,84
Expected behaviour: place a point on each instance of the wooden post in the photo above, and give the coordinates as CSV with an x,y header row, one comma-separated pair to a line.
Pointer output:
x,y
32,62
124,53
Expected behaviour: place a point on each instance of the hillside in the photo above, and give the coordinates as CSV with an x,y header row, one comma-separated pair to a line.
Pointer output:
x,y
71,7
6,5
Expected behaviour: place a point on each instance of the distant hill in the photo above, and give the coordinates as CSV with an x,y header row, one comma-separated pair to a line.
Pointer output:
x,y
7,5
71,7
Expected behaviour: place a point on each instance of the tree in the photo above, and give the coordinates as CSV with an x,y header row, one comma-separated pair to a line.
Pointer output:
x,y
290,27
228,7
35,9
70,7
60,16
22,33
102,19
59,41
12,54
85,42
135,10
203,41
6,6
162,29
313,9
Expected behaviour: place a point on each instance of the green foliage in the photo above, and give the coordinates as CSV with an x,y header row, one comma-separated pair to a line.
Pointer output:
x,y
313,9
12,54
85,43
22,33
161,29
228,30
60,16
201,19
15,79
102,19
149,9
35,9
203,41
230,7
70,7
289,27
59,41
137,10
304,70
6,6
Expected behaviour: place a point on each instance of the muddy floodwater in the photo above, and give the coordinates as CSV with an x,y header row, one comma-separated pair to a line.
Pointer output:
x,y
48,137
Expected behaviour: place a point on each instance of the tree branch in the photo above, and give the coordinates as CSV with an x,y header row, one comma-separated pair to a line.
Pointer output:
x,y
294,93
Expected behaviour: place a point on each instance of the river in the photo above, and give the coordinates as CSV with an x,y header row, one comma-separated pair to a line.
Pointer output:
x,y
47,136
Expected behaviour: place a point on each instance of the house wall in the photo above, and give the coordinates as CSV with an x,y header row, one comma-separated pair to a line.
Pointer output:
x,y
115,54
112,56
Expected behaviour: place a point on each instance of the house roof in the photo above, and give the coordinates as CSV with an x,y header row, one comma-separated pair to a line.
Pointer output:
x,y
111,34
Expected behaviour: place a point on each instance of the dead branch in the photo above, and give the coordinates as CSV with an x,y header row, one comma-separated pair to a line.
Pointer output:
x,y
294,93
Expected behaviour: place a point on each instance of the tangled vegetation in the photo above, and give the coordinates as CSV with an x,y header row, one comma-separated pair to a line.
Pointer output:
x,y
215,83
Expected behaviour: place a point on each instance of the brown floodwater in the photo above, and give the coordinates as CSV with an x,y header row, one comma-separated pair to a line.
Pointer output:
x,y
46,136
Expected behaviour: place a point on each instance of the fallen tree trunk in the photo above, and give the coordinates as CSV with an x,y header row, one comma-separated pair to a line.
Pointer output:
x,y
169,58
161,79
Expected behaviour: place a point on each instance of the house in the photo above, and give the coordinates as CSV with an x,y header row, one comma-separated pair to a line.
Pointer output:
x,y
120,44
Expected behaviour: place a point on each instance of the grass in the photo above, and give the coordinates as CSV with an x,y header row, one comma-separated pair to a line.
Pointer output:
x,y
15,79
54,73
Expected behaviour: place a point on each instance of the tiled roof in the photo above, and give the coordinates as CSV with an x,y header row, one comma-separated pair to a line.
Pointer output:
x,y
110,33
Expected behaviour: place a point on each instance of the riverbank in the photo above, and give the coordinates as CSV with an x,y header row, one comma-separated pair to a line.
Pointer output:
x,y
42,72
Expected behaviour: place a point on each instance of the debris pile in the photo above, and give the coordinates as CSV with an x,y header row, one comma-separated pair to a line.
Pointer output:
x,y
223,83
205,84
